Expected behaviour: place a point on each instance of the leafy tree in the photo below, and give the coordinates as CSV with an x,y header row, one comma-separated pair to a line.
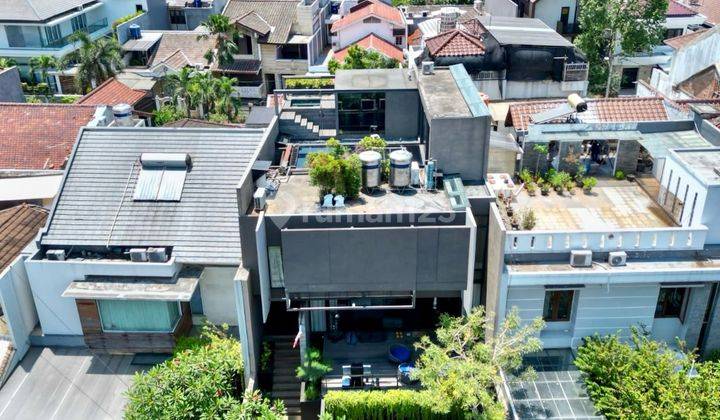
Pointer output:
x,y
541,150
96,60
7,62
166,114
311,371
42,64
645,379
361,58
179,86
460,367
615,28
335,172
202,91
225,103
375,143
226,45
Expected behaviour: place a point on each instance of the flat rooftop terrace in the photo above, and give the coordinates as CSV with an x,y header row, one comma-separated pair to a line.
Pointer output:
x,y
612,204
297,196
705,163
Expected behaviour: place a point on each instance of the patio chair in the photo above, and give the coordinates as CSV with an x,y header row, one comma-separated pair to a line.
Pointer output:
x,y
327,201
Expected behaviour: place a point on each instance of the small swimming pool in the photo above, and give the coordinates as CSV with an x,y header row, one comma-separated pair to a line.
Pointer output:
x,y
304,102
303,151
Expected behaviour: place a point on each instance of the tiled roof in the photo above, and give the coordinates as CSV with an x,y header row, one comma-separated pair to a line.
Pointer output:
x,y
279,14
193,50
415,37
254,22
683,40
375,43
238,67
39,136
37,10
18,226
704,84
366,9
454,43
599,110
112,92
710,9
676,9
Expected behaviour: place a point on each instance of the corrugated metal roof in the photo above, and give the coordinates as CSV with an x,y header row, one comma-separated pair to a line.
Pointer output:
x,y
522,31
202,227
658,144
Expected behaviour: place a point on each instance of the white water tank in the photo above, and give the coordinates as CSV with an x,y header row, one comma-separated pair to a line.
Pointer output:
x,y
400,161
371,168
123,115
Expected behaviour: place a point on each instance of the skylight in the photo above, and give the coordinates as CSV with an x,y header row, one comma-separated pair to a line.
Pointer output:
x,y
162,176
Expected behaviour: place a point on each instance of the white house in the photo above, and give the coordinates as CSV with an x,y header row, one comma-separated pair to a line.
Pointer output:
x,y
370,17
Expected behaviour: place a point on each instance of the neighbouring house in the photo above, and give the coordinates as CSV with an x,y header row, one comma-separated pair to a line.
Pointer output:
x,y
372,42
286,37
370,17
29,28
561,15
19,225
35,142
708,8
166,52
113,92
156,248
10,85
187,15
507,61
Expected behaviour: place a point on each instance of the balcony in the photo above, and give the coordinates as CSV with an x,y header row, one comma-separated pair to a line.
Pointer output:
x,y
57,44
250,90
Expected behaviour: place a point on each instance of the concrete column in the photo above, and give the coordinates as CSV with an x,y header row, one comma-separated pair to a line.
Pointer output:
x,y
694,314
627,154
712,341
246,327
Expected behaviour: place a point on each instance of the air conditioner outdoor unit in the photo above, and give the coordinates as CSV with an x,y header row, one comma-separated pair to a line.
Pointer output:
x,y
157,255
581,258
617,258
55,254
428,67
138,255
259,199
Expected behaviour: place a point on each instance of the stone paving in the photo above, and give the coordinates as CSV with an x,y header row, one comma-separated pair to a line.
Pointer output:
x,y
612,204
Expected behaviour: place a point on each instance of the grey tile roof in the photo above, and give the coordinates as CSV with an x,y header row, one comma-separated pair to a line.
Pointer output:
x,y
192,50
279,14
202,227
254,22
522,31
36,10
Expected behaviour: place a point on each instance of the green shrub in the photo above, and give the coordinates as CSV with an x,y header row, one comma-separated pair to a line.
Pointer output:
x,y
335,172
310,83
166,114
644,379
312,371
589,183
713,356
202,380
124,19
397,404
526,176
619,175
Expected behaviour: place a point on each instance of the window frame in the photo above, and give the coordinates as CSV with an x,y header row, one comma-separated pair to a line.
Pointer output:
x,y
664,312
554,306
172,329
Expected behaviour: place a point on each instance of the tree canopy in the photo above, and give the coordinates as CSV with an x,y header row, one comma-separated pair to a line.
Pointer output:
x,y
97,60
361,58
616,28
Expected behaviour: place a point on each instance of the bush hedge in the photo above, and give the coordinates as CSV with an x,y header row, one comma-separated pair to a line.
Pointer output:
x,y
309,83
396,404
644,379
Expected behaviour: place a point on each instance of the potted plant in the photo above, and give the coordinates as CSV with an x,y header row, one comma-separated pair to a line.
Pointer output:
x,y
515,223
619,175
310,373
526,177
589,183
580,174
265,376
531,188
570,187
559,180
529,220
544,188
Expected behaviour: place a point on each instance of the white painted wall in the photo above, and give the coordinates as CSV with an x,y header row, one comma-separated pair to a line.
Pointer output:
x,y
17,303
48,280
549,11
217,292
115,9
705,211
695,57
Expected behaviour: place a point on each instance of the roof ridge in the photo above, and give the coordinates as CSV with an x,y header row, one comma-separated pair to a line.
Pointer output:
x,y
51,105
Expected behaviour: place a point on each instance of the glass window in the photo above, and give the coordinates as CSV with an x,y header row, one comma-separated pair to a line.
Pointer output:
x,y
177,17
138,315
78,22
276,266
398,40
52,33
671,303
558,305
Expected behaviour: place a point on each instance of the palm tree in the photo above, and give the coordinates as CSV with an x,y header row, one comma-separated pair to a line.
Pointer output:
x,y
224,101
42,63
6,63
225,47
202,90
97,60
180,86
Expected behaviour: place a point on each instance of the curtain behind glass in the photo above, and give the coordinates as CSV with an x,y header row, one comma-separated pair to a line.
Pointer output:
x,y
138,315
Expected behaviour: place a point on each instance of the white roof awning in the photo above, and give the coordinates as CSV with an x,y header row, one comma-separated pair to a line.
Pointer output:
x,y
29,187
179,288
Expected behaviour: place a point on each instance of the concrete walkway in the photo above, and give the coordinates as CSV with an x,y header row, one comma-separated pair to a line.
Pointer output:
x,y
67,383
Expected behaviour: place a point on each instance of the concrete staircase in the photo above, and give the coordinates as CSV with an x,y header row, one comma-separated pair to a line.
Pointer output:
x,y
286,386
300,127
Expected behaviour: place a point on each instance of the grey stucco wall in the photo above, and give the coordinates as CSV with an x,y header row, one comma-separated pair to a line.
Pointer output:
x,y
461,145
383,259
10,88
627,155
158,15
696,308
712,341
495,266
402,113
123,29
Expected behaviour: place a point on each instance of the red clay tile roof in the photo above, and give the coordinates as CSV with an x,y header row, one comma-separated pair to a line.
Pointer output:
x,y
676,8
112,92
415,37
683,40
375,43
454,43
18,227
710,9
599,110
366,9
39,136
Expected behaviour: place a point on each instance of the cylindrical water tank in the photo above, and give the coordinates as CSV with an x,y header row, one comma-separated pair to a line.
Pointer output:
x,y
135,31
400,161
123,115
371,170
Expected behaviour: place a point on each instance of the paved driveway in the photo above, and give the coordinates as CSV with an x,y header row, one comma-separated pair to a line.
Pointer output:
x,y
67,383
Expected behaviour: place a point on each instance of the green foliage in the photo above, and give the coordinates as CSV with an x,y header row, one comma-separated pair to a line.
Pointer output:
x,y
558,180
266,356
97,60
528,220
310,83
632,25
372,143
335,172
213,96
201,381
42,64
361,58
6,62
461,366
644,379
120,21
619,175
166,114
397,404
526,176
255,406
311,371
589,183
713,356
227,39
